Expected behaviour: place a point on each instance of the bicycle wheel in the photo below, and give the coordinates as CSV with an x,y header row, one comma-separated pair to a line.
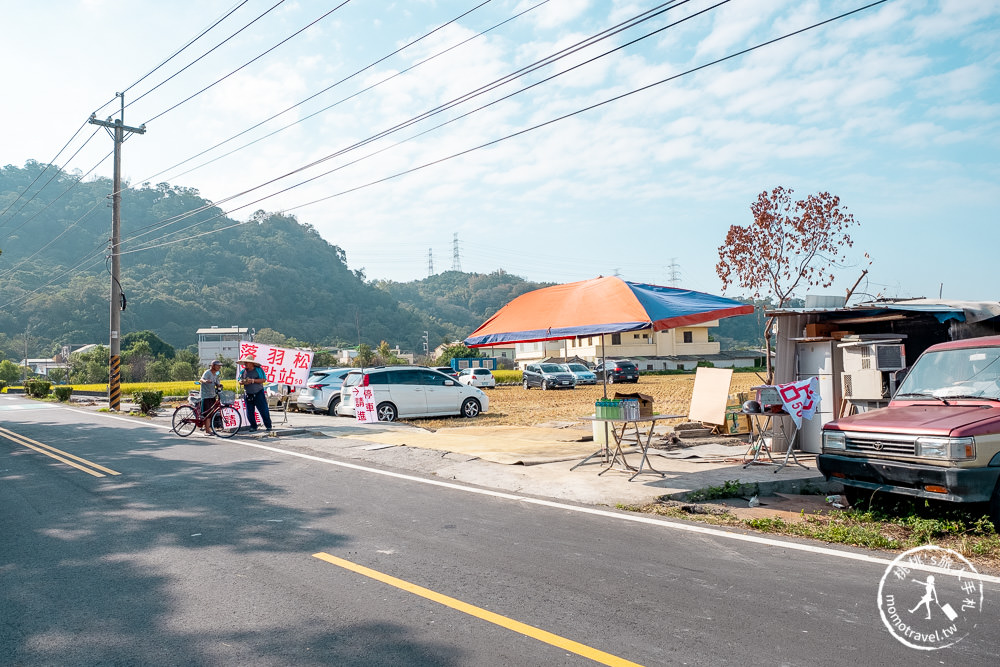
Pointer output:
x,y
226,422
185,420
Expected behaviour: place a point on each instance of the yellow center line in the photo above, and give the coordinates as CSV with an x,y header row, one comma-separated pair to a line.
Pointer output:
x,y
497,619
57,454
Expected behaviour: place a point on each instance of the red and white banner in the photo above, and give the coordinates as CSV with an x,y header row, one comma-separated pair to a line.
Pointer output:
x,y
281,365
240,406
364,404
800,399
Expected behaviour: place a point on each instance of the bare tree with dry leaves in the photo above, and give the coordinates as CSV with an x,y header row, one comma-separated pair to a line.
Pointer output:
x,y
788,245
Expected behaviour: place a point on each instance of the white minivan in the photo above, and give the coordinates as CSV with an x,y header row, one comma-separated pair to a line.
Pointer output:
x,y
413,391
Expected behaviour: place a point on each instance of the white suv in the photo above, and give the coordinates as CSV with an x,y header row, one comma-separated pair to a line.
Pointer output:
x,y
412,391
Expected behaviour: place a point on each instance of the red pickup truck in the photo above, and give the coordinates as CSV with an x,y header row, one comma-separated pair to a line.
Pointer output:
x,y
938,438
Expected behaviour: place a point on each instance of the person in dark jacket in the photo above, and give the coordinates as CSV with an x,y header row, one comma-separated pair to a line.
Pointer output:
x,y
252,378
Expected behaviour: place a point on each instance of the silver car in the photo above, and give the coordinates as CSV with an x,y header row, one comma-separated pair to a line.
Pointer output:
x,y
582,374
322,391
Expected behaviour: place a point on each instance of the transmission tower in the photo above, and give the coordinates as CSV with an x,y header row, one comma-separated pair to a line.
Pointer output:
x,y
456,260
673,272
430,262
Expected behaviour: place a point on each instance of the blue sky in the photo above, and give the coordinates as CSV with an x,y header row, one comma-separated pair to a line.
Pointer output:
x,y
894,109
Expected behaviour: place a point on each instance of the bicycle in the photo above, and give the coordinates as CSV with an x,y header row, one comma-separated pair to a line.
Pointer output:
x,y
222,418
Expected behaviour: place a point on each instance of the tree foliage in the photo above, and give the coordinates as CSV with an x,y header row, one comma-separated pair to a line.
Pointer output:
x,y
787,245
366,356
10,373
456,352
156,346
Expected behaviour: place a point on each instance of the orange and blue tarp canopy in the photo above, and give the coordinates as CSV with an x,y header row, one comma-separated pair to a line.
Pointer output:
x,y
600,306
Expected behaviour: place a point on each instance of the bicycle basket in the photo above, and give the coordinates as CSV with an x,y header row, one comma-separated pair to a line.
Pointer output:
x,y
227,397
194,397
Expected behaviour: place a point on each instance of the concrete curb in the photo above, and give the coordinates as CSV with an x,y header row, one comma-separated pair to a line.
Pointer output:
x,y
817,486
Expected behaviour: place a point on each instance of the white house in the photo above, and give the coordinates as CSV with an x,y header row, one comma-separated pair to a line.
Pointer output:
x,y
43,366
220,342
679,348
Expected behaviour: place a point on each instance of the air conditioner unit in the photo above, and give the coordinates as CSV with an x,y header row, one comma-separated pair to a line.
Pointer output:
x,y
890,357
883,357
863,385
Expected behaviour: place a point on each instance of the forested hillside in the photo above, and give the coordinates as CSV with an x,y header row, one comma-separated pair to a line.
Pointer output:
x,y
183,271
461,301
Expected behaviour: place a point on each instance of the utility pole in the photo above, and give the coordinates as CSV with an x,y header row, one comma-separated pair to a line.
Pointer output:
x,y
117,130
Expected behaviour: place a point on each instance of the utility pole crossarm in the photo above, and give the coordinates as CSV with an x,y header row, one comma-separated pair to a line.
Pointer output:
x,y
115,124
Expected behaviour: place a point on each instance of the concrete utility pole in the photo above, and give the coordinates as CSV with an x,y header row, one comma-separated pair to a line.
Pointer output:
x,y
117,302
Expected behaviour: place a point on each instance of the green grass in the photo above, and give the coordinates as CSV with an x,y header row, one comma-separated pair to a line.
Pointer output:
x,y
893,525
729,489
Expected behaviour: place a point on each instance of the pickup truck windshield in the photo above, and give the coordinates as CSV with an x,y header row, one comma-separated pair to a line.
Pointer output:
x,y
967,373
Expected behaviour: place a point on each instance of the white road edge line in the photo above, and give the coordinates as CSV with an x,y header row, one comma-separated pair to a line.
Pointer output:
x,y
635,518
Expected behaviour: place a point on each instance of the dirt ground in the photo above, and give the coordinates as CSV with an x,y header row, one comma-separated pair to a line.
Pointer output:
x,y
517,406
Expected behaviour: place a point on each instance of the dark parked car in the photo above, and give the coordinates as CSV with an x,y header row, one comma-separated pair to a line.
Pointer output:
x,y
447,370
617,371
548,376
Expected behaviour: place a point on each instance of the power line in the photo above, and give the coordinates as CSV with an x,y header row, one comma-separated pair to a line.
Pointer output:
x,y
244,65
76,182
96,111
180,50
47,165
523,131
56,238
587,108
178,72
334,85
94,255
640,18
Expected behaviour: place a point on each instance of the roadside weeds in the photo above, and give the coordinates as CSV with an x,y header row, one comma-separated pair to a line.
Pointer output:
x,y
888,525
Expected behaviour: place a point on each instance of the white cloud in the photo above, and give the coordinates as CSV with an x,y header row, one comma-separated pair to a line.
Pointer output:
x,y
555,14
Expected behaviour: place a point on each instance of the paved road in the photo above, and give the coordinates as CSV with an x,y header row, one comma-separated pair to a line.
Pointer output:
x,y
202,551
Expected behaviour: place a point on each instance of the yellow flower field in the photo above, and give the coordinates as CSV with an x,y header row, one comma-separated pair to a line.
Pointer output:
x,y
168,388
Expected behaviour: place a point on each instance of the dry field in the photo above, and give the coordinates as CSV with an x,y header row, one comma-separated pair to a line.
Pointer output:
x,y
516,406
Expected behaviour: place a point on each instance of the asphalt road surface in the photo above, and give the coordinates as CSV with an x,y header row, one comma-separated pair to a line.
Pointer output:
x,y
136,546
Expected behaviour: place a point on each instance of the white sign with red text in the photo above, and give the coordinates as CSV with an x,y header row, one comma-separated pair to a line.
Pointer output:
x,y
282,365
800,399
364,404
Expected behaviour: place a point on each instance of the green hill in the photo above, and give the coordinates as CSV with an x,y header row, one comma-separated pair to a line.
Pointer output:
x,y
184,273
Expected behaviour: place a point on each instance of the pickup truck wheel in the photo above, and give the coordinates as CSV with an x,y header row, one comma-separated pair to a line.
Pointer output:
x,y
856,496
995,507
